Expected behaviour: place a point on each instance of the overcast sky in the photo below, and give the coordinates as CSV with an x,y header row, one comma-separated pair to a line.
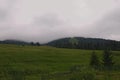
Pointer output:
x,y
46,20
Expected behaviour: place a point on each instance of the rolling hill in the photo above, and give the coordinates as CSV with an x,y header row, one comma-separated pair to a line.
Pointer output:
x,y
13,41
73,43
85,43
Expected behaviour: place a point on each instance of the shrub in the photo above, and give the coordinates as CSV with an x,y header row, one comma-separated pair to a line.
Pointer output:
x,y
75,68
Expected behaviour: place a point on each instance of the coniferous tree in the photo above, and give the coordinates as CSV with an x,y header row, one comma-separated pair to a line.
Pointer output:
x,y
32,43
94,61
107,59
37,44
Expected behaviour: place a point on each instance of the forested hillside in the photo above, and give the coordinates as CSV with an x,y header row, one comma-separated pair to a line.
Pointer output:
x,y
85,43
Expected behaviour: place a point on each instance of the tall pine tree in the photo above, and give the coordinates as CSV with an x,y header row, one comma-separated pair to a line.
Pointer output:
x,y
94,61
107,59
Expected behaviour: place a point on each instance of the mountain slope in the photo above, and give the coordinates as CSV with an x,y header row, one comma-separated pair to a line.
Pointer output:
x,y
85,43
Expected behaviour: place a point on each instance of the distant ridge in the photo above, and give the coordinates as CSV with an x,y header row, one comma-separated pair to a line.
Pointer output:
x,y
73,43
13,41
85,43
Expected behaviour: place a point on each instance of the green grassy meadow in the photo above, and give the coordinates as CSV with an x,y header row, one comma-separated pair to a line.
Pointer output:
x,y
49,63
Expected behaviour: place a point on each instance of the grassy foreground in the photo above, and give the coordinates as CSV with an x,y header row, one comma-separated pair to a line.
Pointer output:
x,y
48,63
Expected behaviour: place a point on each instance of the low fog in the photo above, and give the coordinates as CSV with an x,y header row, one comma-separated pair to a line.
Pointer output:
x,y
46,20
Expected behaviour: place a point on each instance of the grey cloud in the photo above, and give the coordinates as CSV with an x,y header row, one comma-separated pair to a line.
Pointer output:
x,y
3,14
6,10
49,20
53,21
50,27
109,25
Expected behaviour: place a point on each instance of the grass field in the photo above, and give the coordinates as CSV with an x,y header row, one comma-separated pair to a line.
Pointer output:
x,y
48,63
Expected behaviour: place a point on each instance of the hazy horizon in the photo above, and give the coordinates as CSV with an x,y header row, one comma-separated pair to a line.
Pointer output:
x,y
46,20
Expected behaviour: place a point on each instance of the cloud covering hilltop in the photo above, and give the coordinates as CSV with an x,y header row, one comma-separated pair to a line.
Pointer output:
x,y
45,20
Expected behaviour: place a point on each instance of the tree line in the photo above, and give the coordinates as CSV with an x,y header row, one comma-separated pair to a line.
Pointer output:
x,y
18,42
85,43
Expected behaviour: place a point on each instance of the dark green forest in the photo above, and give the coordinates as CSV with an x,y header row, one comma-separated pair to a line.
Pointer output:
x,y
74,43
85,43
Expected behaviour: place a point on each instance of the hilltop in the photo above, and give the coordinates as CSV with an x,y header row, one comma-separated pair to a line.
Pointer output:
x,y
85,43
